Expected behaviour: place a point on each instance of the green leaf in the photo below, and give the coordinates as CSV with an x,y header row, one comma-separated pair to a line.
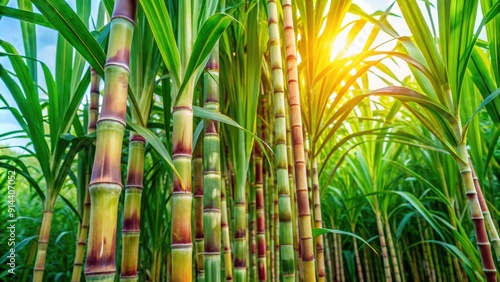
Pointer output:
x,y
435,189
161,26
77,144
29,41
320,231
483,79
25,16
19,247
209,34
29,107
459,254
197,132
67,22
486,101
423,37
416,204
208,114
71,207
28,177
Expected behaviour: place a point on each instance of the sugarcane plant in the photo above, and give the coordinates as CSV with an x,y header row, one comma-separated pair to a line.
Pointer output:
x,y
212,172
184,63
144,64
443,68
283,186
84,176
243,68
85,161
307,269
55,153
106,184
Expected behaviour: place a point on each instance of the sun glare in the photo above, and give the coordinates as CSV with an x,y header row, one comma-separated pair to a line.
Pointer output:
x,y
340,46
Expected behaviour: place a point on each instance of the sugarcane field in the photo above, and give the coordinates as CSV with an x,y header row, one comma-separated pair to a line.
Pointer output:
x,y
249,140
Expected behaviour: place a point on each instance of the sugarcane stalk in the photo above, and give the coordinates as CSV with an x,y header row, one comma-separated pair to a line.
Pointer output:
x,y
105,184
449,269
359,268
309,177
272,224
383,246
230,194
266,191
412,262
277,256
226,244
437,263
261,226
252,219
305,228
392,251
132,209
93,112
240,215
318,223
431,259
337,256
43,242
31,254
476,213
457,273
328,253
490,226
341,258
182,139
293,196
182,247
212,172
368,268
198,186
285,208
269,252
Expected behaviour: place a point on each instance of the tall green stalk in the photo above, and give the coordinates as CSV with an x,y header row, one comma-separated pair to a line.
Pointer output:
x,y
476,214
226,244
212,172
132,208
318,222
43,242
266,188
368,268
105,184
392,251
252,217
261,221
241,68
383,246
293,195
285,208
144,65
198,210
93,113
359,269
308,271
490,226
182,139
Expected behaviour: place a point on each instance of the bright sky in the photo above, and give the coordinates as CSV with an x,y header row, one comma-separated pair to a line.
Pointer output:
x,y
46,47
